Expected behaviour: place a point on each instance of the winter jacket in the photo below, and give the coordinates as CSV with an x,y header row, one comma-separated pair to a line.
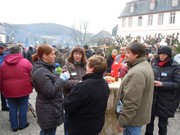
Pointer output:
x,y
86,105
15,80
6,52
110,60
88,54
48,86
164,101
77,71
29,55
136,92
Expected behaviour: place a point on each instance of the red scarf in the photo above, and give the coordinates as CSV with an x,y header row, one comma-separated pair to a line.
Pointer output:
x,y
162,63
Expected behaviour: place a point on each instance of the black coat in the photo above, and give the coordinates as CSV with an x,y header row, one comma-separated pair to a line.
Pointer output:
x,y
110,60
164,100
49,106
86,105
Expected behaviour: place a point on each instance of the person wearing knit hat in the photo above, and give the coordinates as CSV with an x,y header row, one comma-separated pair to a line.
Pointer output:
x,y
165,49
166,90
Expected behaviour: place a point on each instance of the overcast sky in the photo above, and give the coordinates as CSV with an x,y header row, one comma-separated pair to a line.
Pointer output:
x,y
101,14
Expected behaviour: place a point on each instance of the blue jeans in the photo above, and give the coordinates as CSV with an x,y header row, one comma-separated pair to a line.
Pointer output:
x,y
132,130
18,108
51,131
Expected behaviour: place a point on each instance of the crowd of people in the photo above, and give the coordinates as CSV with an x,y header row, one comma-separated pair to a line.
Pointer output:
x,y
71,88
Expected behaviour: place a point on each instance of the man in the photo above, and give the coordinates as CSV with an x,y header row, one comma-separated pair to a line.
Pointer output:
x,y
3,53
110,60
119,61
87,51
30,52
136,91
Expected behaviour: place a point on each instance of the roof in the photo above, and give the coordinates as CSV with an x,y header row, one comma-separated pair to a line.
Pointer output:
x,y
142,7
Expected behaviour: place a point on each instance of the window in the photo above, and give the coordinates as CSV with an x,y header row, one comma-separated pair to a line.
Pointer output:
x,y
130,22
160,19
172,18
152,4
174,3
150,19
140,21
132,8
124,22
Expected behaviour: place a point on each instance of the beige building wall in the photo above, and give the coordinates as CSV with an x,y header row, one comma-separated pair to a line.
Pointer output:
x,y
145,29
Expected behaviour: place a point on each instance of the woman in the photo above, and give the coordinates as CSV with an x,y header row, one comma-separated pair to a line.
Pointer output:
x,y
86,104
166,85
75,64
16,86
48,86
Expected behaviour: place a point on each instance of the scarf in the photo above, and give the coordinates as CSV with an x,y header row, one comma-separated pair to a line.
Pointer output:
x,y
162,63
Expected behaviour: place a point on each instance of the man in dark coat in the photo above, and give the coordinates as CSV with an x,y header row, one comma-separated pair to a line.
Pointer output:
x,y
166,85
30,52
87,51
110,60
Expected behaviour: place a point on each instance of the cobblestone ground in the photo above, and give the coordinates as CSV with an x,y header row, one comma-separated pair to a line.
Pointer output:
x,y
33,129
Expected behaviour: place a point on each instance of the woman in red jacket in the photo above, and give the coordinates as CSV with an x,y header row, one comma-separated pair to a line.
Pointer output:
x,y
15,82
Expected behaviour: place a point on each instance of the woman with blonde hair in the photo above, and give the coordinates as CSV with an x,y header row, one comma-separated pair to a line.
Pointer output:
x,y
86,104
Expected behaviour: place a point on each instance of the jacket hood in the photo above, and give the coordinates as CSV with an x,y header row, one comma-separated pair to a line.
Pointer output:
x,y
13,59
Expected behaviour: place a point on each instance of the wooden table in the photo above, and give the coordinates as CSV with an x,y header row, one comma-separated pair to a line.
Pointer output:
x,y
110,116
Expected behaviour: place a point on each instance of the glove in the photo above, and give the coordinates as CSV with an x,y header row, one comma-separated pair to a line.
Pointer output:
x,y
65,76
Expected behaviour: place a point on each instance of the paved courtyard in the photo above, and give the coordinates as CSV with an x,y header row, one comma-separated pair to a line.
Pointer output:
x,y
33,129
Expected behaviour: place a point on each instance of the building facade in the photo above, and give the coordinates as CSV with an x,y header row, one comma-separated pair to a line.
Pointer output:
x,y
2,34
142,18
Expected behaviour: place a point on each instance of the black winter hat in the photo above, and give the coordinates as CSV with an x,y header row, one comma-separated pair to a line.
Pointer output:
x,y
165,49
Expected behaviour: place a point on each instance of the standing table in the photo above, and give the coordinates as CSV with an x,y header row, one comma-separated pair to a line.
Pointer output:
x,y
110,127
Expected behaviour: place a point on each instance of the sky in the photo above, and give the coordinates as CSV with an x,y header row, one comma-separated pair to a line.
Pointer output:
x,y
100,14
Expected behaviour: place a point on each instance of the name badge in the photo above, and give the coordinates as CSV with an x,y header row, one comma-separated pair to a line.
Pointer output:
x,y
163,74
73,73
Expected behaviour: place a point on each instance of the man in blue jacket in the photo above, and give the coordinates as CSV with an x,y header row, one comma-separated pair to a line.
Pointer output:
x,y
3,53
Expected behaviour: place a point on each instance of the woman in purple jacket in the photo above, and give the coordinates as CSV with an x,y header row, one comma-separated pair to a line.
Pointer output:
x,y
15,82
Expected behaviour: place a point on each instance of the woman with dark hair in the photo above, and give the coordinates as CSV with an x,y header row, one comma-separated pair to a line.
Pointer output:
x,y
75,64
48,86
15,82
86,104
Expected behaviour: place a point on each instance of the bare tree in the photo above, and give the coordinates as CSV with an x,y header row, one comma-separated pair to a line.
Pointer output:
x,y
153,40
80,32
